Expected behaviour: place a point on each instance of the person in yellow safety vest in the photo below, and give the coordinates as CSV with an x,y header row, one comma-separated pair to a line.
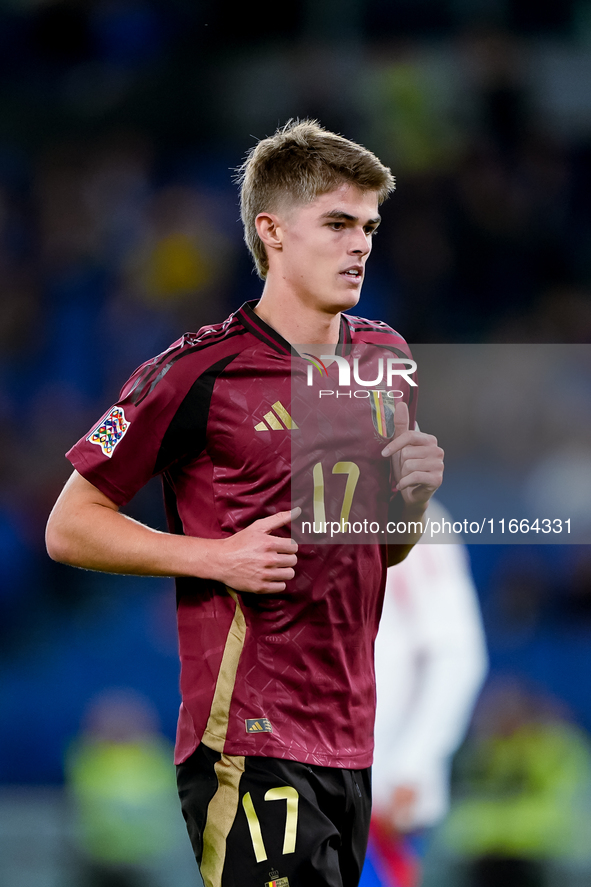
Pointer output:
x,y
523,790
122,783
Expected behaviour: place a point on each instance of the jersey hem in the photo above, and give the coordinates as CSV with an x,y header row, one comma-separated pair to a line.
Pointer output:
x,y
342,762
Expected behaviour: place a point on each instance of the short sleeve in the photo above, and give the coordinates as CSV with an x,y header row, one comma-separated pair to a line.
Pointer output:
x,y
124,449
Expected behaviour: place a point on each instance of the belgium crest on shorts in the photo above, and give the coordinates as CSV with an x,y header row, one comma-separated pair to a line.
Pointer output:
x,y
382,413
276,881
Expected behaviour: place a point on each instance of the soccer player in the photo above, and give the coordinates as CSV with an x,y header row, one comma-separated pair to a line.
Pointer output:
x,y
274,739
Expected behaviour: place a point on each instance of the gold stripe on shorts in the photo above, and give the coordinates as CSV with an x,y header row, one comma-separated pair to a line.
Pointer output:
x,y
221,814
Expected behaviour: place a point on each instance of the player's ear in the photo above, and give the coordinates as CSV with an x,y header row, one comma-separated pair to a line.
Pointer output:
x,y
268,227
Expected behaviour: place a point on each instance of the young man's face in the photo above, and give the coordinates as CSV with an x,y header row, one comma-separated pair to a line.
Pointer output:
x,y
325,245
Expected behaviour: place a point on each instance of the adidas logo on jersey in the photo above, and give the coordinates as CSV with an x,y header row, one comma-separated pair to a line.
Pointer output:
x,y
258,725
272,419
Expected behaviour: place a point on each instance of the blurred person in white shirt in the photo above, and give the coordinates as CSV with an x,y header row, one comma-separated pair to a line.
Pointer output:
x,y
430,664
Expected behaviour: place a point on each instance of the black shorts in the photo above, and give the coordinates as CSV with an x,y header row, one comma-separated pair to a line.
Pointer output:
x,y
269,822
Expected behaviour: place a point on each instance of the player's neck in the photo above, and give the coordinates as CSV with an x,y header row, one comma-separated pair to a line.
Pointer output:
x,y
299,323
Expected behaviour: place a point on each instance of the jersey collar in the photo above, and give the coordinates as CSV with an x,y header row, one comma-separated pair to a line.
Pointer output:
x,y
267,334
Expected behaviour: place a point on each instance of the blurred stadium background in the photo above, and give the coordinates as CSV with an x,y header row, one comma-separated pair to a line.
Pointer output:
x,y
120,123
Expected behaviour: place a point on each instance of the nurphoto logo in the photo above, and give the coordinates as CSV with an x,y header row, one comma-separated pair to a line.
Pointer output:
x,y
386,371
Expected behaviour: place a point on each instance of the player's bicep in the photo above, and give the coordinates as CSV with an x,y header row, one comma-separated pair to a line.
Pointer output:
x,y
72,512
79,492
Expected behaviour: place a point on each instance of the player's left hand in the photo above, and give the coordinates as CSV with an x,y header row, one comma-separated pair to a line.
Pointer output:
x,y
417,461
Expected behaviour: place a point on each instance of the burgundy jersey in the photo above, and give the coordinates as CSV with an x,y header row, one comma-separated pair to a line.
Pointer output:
x,y
287,675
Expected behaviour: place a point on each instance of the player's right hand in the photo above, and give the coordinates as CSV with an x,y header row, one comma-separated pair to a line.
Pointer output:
x,y
253,559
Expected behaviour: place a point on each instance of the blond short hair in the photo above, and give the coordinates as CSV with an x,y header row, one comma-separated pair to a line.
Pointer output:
x,y
299,162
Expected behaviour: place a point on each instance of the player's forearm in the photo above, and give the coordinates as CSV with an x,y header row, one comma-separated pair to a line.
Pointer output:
x,y
410,520
96,537
86,529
